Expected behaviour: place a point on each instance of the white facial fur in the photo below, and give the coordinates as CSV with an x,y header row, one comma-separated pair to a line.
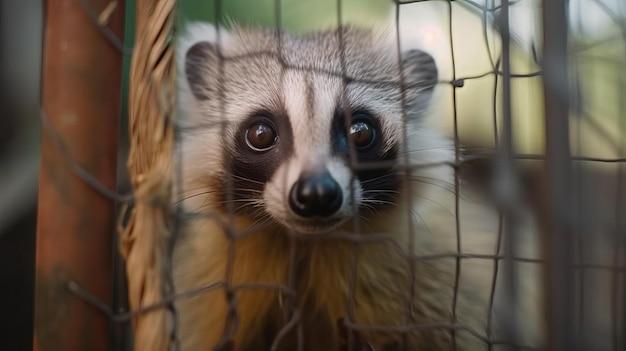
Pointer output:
x,y
308,89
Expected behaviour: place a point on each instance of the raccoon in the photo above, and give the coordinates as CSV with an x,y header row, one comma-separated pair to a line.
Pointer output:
x,y
297,163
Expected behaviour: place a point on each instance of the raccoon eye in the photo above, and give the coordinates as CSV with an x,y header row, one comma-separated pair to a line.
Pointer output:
x,y
362,134
261,137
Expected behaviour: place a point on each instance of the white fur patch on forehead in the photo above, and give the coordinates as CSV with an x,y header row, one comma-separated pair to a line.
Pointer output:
x,y
294,97
310,100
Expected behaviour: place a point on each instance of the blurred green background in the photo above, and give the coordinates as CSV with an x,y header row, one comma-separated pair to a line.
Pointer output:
x,y
296,15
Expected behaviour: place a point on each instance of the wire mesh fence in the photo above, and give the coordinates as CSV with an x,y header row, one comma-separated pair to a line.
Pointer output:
x,y
574,196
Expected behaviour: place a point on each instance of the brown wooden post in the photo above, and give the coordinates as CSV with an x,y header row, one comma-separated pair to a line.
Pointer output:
x,y
81,104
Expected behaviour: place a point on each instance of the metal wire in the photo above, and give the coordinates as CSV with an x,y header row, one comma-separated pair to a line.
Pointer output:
x,y
501,72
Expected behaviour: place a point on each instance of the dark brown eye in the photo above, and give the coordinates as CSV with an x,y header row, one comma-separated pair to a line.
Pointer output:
x,y
362,134
261,137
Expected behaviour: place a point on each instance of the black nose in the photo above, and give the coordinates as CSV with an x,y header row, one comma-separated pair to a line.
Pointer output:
x,y
315,195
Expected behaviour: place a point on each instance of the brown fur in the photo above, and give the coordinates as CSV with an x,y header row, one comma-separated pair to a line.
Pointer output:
x,y
323,271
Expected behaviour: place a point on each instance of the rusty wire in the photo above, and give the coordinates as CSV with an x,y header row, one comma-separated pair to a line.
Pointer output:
x,y
500,69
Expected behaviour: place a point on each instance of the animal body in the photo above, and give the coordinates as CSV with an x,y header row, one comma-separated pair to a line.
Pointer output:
x,y
285,140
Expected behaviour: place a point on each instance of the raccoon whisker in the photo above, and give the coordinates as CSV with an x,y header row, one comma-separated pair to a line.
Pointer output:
x,y
192,190
378,202
447,186
419,197
364,219
263,219
204,190
241,200
367,206
257,225
259,210
213,192
438,204
473,150
420,179
370,212
434,148
253,205
187,197
379,192
258,214
245,179
203,207
439,180
448,189
257,191
368,181
383,191
246,202
372,194
421,219
194,195
395,173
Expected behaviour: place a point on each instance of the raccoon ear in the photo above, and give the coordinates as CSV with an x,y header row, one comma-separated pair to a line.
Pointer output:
x,y
420,76
197,56
200,61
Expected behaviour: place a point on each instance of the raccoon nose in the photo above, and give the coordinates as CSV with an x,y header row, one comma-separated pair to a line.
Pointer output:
x,y
315,195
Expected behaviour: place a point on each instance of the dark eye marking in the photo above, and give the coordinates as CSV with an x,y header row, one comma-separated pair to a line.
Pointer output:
x,y
259,146
362,128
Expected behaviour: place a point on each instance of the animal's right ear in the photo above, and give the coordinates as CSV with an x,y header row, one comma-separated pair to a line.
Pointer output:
x,y
420,72
198,55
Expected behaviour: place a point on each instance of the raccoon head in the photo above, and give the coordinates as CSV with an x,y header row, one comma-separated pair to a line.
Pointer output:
x,y
306,131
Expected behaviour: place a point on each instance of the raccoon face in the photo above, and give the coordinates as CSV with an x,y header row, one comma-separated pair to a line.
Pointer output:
x,y
301,131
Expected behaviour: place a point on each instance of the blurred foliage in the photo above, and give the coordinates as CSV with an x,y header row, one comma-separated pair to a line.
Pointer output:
x,y
296,15
598,98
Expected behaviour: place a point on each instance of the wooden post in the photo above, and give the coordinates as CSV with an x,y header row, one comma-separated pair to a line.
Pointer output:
x,y
81,105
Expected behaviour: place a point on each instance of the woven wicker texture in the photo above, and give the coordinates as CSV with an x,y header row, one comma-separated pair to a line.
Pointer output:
x,y
144,238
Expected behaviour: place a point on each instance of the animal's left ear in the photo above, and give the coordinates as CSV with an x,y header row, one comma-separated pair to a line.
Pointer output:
x,y
200,69
420,77
198,53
